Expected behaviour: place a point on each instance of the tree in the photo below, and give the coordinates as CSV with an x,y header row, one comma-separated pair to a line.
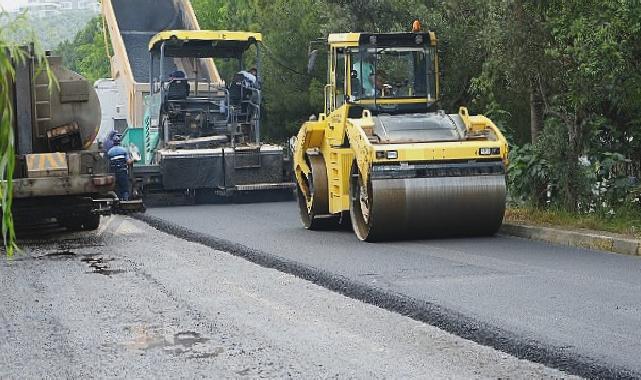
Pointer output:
x,y
594,45
376,15
87,53
287,28
514,36
10,52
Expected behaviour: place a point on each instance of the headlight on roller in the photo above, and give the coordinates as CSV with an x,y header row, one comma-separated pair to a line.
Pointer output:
x,y
489,151
387,154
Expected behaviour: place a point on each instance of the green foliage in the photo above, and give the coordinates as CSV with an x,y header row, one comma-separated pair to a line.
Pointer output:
x,y
87,54
610,189
580,60
528,175
537,172
10,52
594,47
8,49
7,155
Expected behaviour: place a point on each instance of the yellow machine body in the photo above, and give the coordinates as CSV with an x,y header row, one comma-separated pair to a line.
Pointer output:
x,y
392,166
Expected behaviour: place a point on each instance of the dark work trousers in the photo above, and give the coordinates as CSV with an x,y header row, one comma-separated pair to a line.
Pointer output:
x,y
122,184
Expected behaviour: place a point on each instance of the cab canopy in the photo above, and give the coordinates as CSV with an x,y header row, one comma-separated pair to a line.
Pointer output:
x,y
203,43
382,39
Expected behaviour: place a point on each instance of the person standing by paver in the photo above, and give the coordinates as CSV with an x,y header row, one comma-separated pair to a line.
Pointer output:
x,y
109,141
119,160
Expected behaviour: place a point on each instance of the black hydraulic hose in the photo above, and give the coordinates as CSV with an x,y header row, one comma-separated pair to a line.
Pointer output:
x,y
271,56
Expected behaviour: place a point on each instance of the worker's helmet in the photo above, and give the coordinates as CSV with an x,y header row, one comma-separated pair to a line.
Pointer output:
x,y
178,74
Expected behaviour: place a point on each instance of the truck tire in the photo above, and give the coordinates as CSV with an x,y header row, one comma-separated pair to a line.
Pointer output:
x,y
86,222
91,222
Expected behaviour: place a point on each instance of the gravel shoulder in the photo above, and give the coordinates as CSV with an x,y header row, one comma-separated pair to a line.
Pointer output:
x,y
130,301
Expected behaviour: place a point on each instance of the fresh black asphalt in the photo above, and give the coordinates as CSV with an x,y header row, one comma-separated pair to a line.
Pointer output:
x,y
572,309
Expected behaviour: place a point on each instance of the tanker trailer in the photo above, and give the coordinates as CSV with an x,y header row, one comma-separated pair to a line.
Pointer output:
x,y
59,174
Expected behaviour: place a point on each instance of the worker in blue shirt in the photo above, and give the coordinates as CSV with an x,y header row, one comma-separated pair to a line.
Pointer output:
x,y
109,141
119,161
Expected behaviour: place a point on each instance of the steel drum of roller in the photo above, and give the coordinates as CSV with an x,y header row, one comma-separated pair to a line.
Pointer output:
x,y
395,208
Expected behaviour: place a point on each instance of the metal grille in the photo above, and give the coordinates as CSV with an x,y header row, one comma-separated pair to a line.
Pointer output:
x,y
247,159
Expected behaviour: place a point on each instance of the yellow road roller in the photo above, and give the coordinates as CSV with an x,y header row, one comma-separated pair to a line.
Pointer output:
x,y
383,159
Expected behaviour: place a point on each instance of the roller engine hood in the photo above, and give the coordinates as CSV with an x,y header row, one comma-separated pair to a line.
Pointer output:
x,y
415,128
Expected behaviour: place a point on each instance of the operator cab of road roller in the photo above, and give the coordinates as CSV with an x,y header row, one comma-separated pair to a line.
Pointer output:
x,y
384,160
385,73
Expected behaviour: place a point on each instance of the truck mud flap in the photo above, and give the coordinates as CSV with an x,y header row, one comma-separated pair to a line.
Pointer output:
x,y
129,207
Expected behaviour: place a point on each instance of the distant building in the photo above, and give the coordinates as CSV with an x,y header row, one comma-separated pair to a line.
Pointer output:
x,y
42,8
80,4
47,8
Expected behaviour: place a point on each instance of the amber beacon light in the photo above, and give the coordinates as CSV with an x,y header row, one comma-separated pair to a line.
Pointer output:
x,y
416,26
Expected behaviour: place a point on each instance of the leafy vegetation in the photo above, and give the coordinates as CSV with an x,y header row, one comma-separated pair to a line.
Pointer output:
x,y
87,53
10,52
591,92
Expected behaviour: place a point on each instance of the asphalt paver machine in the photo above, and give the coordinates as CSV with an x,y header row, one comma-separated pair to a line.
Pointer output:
x,y
203,136
197,137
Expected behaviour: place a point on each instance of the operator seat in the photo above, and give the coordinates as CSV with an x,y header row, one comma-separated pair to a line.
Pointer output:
x,y
178,90
178,87
236,90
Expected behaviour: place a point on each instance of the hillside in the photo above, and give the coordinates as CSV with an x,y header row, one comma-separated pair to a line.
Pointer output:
x,y
50,31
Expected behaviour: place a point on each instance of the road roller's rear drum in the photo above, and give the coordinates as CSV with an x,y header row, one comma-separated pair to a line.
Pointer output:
x,y
425,202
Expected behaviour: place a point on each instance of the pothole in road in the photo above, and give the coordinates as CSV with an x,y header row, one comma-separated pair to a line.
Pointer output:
x,y
99,265
188,344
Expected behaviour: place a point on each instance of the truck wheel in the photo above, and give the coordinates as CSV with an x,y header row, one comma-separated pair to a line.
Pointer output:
x,y
90,222
86,222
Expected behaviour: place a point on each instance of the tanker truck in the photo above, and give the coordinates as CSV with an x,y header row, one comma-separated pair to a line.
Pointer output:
x,y
59,172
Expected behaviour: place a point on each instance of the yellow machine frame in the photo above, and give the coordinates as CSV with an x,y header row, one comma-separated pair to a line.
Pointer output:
x,y
337,142
204,35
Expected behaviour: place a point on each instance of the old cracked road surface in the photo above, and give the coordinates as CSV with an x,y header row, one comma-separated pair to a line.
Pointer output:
x,y
568,308
132,302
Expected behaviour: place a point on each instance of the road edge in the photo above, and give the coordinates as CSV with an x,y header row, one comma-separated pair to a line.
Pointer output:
x,y
423,311
592,240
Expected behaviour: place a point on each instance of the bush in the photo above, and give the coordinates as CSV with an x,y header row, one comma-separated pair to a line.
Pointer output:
x,y
538,174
